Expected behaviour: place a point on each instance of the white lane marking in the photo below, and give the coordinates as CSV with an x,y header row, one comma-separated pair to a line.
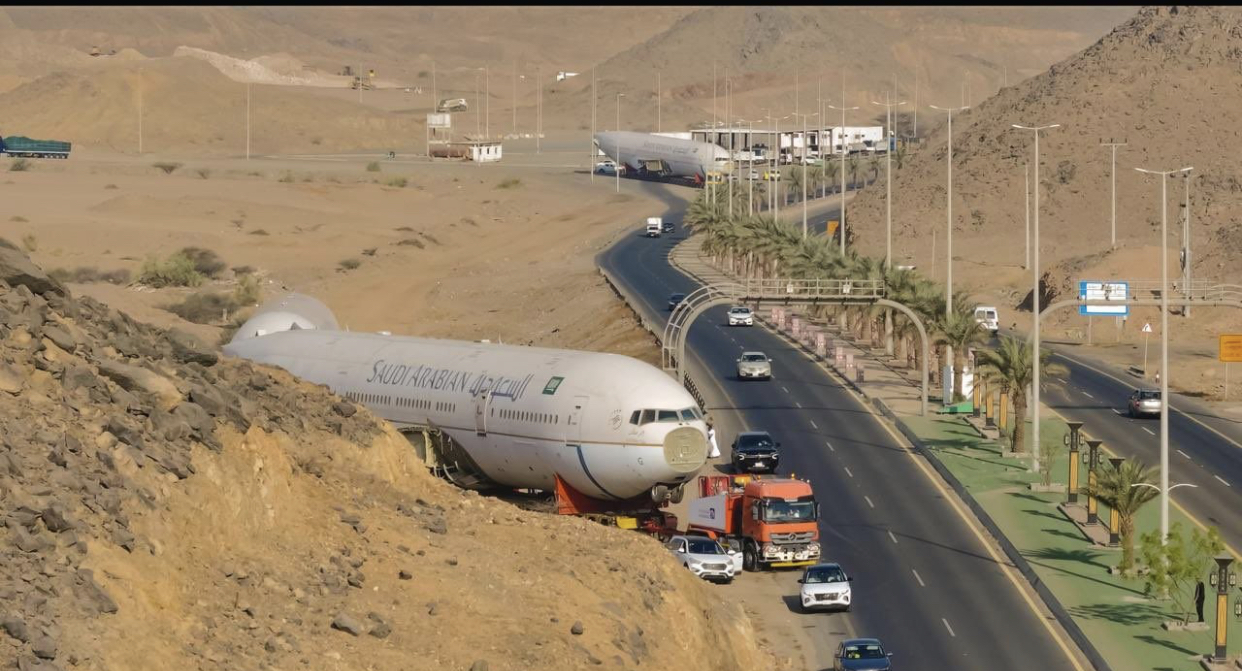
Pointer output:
x,y
1183,454
1149,431
1222,481
784,389
1088,395
946,626
830,447
868,498
849,472
918,578
797,404
814,425
890,535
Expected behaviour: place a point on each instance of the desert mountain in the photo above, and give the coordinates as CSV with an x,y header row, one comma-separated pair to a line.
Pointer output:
x,y
1167,83
188,106
168,508
954,51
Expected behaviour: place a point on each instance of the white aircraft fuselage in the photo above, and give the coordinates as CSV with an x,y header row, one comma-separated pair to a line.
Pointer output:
x,y
524,415
686,158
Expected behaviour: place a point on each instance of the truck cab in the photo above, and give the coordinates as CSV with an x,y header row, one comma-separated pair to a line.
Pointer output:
x,y
775,520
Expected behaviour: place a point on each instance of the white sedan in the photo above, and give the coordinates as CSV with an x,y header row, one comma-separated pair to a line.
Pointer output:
x,y
825,586
741,316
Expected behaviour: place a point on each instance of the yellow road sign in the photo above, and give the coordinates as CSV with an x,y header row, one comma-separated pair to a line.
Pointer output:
x,y
832,227
1231,348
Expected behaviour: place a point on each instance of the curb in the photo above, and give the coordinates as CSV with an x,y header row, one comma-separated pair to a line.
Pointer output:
x,y
1058,611
1049,599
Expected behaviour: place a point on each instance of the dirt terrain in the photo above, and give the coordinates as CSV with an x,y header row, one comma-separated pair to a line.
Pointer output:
x,y
460,251
1166,64
166,508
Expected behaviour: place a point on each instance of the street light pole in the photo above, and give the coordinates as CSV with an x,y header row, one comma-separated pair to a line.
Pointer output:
x,y
617,168
659,93
1026,265
1035,304
594,99
888,168
247,121
1114,145
804,148
844,151
1164,345
948,273
1186,248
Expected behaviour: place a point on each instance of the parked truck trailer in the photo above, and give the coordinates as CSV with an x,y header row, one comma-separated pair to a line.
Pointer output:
x,y
24,147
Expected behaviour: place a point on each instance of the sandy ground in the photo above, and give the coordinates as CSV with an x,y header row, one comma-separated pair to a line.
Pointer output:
x,y
502,252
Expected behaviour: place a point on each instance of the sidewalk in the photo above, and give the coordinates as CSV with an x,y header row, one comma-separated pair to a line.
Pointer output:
x,y
1107,616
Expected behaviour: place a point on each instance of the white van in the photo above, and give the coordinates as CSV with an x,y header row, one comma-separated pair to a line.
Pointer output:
x,y
655,226
988,317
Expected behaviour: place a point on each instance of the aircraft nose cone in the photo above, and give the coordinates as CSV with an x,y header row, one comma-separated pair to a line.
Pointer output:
x,y
685,449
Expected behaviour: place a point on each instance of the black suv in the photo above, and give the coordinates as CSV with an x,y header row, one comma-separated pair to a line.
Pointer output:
x,y
755,451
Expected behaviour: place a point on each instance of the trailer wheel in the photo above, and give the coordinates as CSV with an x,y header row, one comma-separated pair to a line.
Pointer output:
x,y
677,494
750,557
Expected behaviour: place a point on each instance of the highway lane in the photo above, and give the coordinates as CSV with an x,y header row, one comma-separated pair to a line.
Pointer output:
x,y
925,584
1196,454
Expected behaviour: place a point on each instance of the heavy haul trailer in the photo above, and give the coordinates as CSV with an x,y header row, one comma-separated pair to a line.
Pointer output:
x,y
24,147
775,520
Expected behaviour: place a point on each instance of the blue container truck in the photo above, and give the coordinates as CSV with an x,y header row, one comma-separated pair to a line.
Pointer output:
x,y
16,145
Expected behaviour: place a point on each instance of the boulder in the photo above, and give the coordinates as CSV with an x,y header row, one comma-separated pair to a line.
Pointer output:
x,y
18,271
136,378
187,348
11,378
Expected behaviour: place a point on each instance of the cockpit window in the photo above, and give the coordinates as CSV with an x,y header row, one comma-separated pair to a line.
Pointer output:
x,y
641,417
687,415
666,416
634,416
648,417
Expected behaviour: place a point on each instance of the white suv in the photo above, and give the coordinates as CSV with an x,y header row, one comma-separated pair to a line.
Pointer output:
x,y
825,586
704,557
741,316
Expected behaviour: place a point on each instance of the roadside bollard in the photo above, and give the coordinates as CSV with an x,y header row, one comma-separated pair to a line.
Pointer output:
x,y
989,414
859,374
1114,518
1004,411
840,356
849,361
976,394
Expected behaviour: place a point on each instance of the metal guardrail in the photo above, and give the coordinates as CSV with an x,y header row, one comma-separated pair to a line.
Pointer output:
x,y
815,289
1196,290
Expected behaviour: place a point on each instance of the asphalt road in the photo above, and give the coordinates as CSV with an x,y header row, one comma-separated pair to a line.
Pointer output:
x,y
1198,455
925,584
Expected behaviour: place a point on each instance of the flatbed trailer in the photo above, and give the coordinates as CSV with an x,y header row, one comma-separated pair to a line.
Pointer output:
x,y
24,147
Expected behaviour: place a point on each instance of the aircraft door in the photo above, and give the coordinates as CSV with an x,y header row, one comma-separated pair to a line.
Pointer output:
x,y
573,431
482,403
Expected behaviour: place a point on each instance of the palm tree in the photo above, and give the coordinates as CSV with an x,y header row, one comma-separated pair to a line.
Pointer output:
x,y
873,162
831,169
1009,366
900,155
1115,487
959,330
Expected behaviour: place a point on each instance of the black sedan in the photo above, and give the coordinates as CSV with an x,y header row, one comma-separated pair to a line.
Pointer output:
x,y
675,299
755,451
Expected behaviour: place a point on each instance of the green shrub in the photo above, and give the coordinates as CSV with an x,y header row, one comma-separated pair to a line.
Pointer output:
x,y
373,166
19,165
204,307
407,229
242,270
370,251
259,231
203,172
248,291
175,271
205,261
111,186
168,168
29,242
18,218
349,264
512,183
415,242
286,178
399,182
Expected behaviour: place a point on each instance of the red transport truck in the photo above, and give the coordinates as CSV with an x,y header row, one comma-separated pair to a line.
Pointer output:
x,y
775,520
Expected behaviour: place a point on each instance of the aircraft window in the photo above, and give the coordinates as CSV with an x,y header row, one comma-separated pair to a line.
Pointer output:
x,y
666,416
648,417
634,416
687,415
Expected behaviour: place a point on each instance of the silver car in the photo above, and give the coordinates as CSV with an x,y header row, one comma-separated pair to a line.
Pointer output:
x,y
704,557
754,366
741,316
1144,402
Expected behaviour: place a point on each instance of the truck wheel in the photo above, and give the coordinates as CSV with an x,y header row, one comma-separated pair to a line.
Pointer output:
x,y
750,558
677,494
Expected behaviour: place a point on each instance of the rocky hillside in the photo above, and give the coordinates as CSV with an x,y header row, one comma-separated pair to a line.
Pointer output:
x,y
165,508
1166,82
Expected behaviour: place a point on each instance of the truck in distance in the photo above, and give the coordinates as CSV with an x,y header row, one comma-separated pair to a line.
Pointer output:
x,y
24,147
655,226
774,520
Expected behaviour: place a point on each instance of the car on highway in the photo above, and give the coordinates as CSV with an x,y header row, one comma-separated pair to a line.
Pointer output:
x,y
668,227
605,168
825,586
986,317
741,316
1145,403
861,654
755,451
704,557
754,366
675,299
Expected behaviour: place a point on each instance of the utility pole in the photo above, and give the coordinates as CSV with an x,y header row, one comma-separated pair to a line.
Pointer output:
x,y
804,148
948,272
487,103
435,102
539,110
729,123
478,105
1035,305
139,112
1164,345
916,103
844,150
591,161
247,121
1026,265
1114,146
659,102
1186,247
713,99
888,217
620,163
515,99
